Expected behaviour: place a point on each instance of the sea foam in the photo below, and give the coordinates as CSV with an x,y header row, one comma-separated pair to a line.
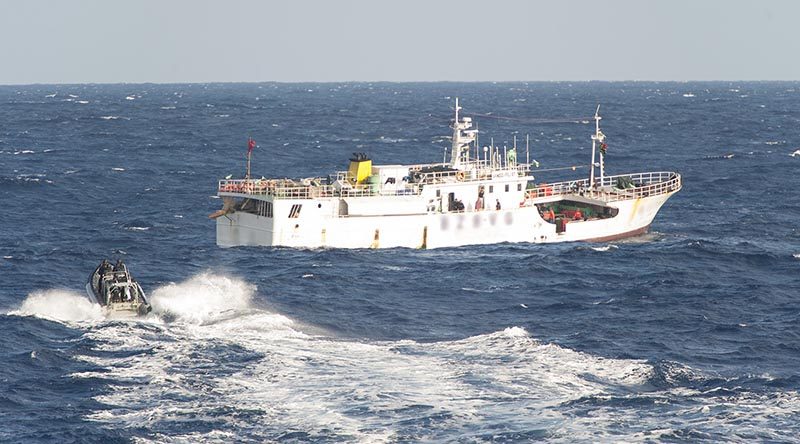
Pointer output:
x,y
59,305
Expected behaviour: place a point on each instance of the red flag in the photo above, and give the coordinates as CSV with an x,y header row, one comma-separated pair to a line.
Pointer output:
x,y
250,145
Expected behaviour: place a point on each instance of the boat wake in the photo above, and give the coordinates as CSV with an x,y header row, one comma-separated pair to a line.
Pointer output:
x,y
207,351
59,305
203,298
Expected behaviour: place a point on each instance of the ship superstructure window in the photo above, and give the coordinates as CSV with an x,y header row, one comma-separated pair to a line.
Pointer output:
x,y
506,188
294,213
519,187
491,188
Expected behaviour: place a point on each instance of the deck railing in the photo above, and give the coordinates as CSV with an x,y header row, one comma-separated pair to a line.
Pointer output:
x,y
613,188
283,190
609,189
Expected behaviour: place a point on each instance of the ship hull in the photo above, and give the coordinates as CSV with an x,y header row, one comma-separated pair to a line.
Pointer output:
x,y
318,226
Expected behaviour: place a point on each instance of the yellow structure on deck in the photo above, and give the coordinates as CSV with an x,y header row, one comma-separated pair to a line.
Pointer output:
x,y
360,168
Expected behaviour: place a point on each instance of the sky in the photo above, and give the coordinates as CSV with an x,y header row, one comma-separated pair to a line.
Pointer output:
x,y
178,41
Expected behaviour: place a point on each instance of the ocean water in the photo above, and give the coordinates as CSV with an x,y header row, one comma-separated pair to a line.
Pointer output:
x,y
690,333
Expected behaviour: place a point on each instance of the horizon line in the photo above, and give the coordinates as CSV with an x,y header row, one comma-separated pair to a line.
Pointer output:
x,y
290,82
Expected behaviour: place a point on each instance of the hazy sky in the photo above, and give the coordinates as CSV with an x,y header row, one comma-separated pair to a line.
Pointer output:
x,y
83,41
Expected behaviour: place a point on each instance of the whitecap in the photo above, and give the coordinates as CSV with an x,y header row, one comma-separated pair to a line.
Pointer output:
x,y
604,302
117,169
130,98
476,290
308,275
688,95
137,228
82,102
515,332
109,117
796,255
795,154
605,248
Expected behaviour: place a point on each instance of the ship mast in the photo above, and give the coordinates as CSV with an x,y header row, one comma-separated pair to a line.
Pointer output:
x,y
463,135
597,137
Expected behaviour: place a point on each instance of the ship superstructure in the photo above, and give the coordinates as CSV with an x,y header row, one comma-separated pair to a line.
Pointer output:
x,y
481,196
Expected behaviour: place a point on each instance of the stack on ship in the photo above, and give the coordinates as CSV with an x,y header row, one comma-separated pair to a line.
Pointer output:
x,y
481,196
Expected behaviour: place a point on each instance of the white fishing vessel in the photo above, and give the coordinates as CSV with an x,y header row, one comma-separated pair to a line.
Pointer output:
x,y
481,196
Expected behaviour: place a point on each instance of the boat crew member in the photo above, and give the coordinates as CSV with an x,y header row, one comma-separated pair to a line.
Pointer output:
x,y
104,268
497,205
115,297
120,266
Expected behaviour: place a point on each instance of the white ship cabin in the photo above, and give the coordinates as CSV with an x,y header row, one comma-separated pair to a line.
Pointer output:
x,y
473,180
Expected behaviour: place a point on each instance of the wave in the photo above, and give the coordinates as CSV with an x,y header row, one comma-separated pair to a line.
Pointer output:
x,y
137,228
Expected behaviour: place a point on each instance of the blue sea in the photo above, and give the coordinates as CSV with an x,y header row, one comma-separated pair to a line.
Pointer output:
x,y
690,333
